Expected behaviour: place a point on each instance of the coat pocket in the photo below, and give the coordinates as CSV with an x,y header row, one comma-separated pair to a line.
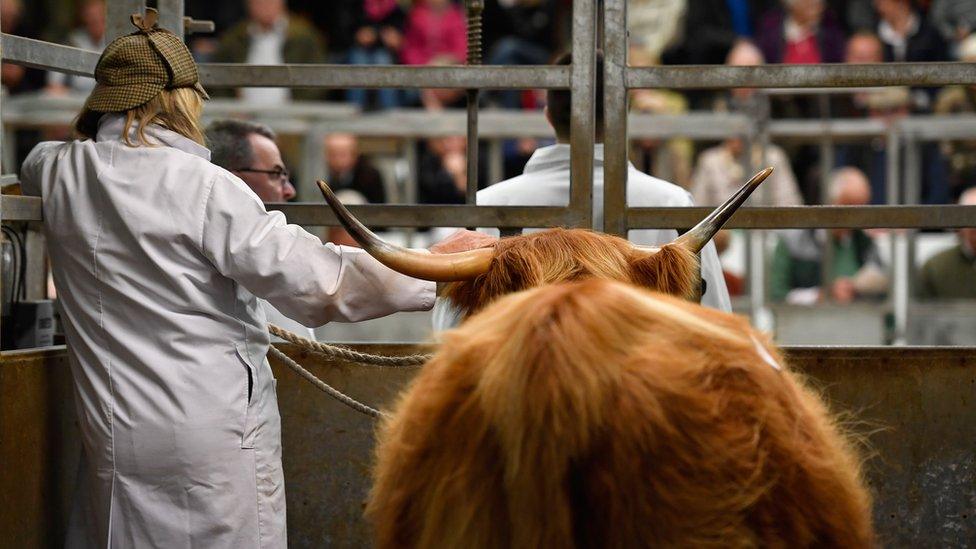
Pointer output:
x,y
247,399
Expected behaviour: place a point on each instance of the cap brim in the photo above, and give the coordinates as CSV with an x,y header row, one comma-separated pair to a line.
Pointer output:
x,y
121,98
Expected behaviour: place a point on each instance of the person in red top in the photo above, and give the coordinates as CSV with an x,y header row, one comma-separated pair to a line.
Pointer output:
x,y
805,32
435,34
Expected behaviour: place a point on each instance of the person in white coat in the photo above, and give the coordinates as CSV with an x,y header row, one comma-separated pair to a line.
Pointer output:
x,y
160,257
249,150
545,182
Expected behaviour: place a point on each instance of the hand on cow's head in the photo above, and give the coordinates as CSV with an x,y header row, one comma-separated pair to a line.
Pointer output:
x,y
462,241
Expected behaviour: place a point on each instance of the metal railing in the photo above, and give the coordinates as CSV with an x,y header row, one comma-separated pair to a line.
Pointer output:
x,y
580,78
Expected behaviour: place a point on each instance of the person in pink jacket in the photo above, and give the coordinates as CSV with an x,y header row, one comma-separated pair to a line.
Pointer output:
x,y
435,34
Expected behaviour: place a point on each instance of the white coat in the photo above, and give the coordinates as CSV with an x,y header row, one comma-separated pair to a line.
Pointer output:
x,y
158,256
545,182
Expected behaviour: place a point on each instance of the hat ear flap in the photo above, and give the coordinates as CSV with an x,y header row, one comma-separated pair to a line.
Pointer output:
x,y
147,22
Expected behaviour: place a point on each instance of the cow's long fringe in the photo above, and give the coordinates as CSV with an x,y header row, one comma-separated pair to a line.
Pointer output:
x,y
596,414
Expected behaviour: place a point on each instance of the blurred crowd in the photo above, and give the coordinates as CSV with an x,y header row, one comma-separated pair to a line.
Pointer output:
x,y
533,32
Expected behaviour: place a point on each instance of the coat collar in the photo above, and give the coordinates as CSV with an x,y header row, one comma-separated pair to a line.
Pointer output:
x,y
110,129
557,156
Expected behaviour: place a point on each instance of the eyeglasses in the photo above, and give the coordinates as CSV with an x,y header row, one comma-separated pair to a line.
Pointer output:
x,y
277,173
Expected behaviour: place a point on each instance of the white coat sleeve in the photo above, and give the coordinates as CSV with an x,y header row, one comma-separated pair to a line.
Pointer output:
x,y
31,171
304,279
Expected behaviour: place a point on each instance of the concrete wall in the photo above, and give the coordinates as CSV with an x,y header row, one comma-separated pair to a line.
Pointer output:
x,y
914,407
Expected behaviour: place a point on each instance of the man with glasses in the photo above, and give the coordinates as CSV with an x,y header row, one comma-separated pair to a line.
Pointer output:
x,y
248,150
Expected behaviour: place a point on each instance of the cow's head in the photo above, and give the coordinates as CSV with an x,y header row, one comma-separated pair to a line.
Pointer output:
x,y
477,277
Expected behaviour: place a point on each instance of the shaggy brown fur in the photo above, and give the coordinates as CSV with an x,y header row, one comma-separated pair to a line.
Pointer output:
x,y
596,414
561,255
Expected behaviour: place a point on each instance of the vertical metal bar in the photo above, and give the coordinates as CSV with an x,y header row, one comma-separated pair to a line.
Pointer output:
x,y
892,187
583,111
410,192
615,118
475,8
313,162
826,166
171,15
118,12
496,161
905,243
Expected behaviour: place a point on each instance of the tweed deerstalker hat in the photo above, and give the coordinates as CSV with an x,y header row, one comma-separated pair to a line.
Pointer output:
x,y
134,68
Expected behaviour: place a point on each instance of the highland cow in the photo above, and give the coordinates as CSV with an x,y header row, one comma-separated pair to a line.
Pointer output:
x,y
597,414
480,276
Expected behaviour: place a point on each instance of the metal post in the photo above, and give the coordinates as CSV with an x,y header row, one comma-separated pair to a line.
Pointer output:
x,y
118,12
171,16
826,166
761,316
313,162
901,283
583,110
615,119
496,161
475,8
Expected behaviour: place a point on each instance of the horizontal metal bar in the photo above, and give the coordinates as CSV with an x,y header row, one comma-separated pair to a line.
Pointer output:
x,y
839,128
437,216
20,208
810,217
28,208
801,76
49,56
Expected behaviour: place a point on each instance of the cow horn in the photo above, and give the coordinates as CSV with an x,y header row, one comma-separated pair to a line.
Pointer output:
x,y
435,267
696,238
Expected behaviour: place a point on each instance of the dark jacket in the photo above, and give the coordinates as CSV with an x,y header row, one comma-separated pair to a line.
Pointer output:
x,y
925,45
770,36
302,45
363,178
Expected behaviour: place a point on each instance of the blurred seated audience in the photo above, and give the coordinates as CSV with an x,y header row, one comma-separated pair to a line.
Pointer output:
x,y
720,171
89,34
349,170
377,41
712,27
443,177
887,104
271,36
960,154
17,78
855,270
338,234
908,36
435,33
951,274
668,159
518,32
801,32
653,26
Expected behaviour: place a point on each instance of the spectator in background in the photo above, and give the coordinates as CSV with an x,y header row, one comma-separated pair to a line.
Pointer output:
x,y
855,270
712,27
955,20
436,33
377,41
951,274
248,150
518,32
960,154
888,105
17,78
88,35
802,32
443,171
348,170
720,170
655,25
906,35
667,159
271,36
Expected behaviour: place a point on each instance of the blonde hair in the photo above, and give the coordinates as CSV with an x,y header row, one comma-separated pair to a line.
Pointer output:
x,y
176,109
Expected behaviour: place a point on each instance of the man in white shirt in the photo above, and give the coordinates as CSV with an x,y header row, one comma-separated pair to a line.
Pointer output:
x,y
545,182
